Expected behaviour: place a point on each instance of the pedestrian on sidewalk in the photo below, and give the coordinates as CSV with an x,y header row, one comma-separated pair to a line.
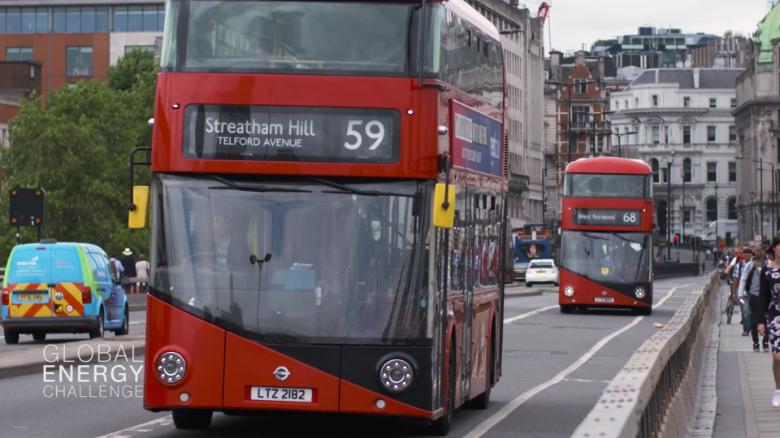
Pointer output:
x,y
769,303
747,294
129,279
142,273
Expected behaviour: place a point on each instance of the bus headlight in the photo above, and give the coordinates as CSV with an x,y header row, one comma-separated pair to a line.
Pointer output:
x,y
396,375
171,367
639,293
568,291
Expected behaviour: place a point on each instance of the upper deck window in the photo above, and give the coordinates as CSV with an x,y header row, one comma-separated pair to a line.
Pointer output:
x,y
290,36
596,185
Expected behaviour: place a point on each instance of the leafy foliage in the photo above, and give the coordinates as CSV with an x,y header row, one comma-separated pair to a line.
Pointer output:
x,y
75,146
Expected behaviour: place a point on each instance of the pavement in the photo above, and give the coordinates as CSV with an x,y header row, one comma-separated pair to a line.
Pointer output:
x,y
136,301
744,387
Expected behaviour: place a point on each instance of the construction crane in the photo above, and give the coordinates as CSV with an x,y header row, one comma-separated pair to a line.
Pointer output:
x,y
544,9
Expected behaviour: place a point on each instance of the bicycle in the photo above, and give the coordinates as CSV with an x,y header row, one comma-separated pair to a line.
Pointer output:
x,y
730,303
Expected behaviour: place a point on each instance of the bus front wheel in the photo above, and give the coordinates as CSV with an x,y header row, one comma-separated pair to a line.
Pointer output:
x,y
192,418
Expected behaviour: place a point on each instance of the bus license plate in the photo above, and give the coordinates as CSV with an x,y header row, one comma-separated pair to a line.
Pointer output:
x,y
265,393
604,299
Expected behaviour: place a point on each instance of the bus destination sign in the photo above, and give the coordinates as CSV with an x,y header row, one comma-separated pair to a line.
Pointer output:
x,y
607,217
476,140
351,135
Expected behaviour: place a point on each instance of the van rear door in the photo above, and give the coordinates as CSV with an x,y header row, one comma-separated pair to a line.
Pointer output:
x,y
68,283
29,277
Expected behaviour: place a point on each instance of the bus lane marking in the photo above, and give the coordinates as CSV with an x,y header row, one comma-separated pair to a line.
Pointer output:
x,y
162,421
510,407
527,314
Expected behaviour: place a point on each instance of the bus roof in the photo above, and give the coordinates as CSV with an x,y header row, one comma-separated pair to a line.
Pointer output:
x,y
609,165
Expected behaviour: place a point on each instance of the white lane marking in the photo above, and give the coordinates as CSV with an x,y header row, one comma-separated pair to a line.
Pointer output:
x,y
510,407
669,295
568,379
162,421
137,322
527,314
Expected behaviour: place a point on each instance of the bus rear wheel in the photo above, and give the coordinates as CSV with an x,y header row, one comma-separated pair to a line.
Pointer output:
x,y
192,418
566,308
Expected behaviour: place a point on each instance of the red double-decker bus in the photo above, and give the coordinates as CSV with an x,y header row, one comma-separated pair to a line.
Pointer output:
x,y
606,239
327,210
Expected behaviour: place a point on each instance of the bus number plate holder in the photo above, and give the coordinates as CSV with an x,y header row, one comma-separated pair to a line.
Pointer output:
x,y
604,299
296,395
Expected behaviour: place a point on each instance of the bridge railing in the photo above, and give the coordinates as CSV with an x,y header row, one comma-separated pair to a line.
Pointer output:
x,y
652,395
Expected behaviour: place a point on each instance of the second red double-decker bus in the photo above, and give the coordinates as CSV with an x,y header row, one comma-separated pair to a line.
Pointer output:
x,y
606,239
328,210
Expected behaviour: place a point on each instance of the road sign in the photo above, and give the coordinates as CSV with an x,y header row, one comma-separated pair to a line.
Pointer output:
x,y
25,206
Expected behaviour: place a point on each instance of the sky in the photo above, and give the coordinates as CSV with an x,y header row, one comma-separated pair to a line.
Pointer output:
x,y
574,22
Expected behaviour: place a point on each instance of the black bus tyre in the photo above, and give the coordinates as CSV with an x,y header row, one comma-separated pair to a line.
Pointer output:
x,y
39,336
125,329
192,418
441,426
11,337
98,331
645,311
566,308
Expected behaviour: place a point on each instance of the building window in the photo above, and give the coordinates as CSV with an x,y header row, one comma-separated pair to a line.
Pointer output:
x,y
687,175
654,166
686,101
686,134
712,209
18,54
654,98
581,113
129,49
656,133
710,134
734,105
625,104
732,133
580,86
712,171
732,171
713,102
617,105
687,215
83,19
732,207
665,175
79,59
636,102
147,18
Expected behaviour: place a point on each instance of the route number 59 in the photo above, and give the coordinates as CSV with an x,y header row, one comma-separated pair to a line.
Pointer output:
x,y
374,130
629,218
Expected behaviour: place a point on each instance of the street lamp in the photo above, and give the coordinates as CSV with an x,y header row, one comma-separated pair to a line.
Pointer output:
x,y
669,210
761,163
618,134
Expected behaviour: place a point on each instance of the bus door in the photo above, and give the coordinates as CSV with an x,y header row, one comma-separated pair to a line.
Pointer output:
x,y
473,262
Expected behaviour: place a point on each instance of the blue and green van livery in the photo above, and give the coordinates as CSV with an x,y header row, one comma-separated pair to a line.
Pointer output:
x,y
52,287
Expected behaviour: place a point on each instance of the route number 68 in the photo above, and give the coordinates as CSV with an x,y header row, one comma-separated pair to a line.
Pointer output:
x,y
630,218
374,130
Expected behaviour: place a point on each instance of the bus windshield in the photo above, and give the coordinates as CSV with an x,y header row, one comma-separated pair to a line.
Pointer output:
x,y
598,185
299,36
618,258
345,262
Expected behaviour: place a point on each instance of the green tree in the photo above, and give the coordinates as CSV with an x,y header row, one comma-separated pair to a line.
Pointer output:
x,y
75,146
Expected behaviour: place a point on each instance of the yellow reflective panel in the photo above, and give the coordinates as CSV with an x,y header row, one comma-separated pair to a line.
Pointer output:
x,y
444,218
137,218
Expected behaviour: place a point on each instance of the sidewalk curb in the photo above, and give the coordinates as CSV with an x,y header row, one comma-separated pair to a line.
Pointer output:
x,y
136,348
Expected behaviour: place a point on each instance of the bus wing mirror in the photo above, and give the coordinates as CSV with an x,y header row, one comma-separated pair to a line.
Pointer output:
x,y
136,218
444,205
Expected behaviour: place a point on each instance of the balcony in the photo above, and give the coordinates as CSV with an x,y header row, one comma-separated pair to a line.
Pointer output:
x,y
19,79
587,127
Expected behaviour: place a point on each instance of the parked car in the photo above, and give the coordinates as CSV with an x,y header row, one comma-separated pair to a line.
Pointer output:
x,y
52,287
541,271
